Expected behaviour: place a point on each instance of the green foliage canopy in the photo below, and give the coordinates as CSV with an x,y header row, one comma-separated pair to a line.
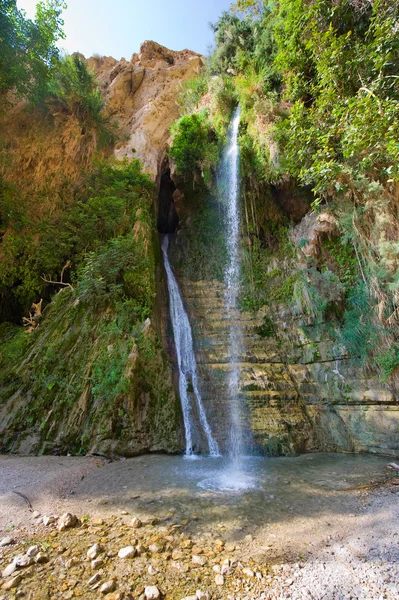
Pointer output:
x,y
194,143
28,49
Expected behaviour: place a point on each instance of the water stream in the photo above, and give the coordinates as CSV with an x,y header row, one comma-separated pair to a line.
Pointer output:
x,y
234,474
186,362
230,185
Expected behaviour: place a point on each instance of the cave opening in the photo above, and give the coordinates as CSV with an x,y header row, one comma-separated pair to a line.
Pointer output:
x,y
167,218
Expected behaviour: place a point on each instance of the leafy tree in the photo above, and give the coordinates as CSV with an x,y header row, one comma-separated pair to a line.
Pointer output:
x,y
28,49
234,41
103,208
193,147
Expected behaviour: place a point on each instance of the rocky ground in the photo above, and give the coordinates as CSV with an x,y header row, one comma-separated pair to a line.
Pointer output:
x,y
134,542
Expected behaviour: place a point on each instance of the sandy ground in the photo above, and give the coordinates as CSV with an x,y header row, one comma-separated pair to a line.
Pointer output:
x,y
327,524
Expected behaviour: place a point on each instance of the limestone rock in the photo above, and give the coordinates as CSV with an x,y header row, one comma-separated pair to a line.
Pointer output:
x,y
142,93
199,560
94,551
219,579
151,592
7,541
94,579
135,523
32,551
97,563
48,520
311,230
12,583
127,552
9,570
41,558
23,561
156,548
67,520
108,586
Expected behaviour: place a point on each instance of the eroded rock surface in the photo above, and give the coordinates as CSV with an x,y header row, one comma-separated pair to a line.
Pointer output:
x,y
142,94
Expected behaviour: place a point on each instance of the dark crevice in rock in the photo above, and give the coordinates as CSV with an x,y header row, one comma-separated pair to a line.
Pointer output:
x,y
293,201
167,218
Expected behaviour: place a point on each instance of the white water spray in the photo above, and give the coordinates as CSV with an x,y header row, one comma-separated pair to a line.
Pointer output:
x,y
230,181
186,361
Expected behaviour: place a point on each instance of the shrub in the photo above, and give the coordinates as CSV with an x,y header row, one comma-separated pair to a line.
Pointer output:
x,y
75,89
194,144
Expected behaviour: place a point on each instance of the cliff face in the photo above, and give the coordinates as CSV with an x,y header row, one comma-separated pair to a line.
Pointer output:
x,y
300,391
89,377
142,94
299,394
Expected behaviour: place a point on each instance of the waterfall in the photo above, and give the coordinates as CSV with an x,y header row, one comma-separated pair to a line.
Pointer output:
x,y
186,361
231,190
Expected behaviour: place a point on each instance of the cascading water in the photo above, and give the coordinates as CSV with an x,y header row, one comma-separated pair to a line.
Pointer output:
x,y
230,184
234,474
186,361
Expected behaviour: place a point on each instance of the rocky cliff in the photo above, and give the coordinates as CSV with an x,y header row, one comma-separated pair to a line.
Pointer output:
x,y
92,375
300,390
142,94
104,381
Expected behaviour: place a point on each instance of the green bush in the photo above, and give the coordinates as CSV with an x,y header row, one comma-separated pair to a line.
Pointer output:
x,y
104,207
194,144
75,88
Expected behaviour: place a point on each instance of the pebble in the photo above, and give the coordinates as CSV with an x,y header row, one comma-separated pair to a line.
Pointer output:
x,y
155,548
216,568
108,586
6,541
71,562
23,561
12,583
127,552
48,520
248,572
94,551
140,549
32,551
41,558
12,567
135,523
199,560
67,520
94,579
226,570
151,592
219,579
36,514
96,563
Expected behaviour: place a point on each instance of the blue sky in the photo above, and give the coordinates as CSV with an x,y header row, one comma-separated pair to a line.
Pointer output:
x,y
117,27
